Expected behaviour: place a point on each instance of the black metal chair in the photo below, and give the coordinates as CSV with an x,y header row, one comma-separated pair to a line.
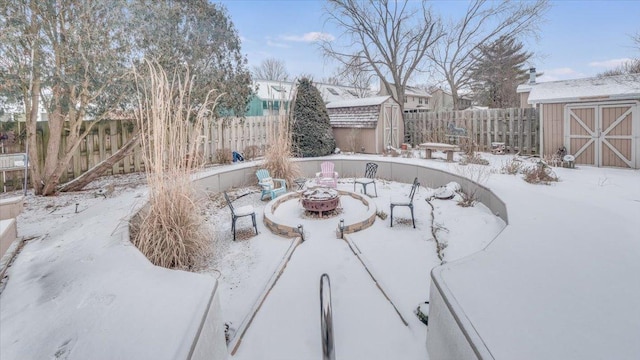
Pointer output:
x,y
246,210
369,178
406,201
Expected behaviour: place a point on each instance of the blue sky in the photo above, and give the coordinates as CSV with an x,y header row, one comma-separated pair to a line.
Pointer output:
x,y
577,39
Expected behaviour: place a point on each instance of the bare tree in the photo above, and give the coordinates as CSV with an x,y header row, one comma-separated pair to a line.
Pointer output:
x,y
484,22
271,69
630,67
358,75
390,37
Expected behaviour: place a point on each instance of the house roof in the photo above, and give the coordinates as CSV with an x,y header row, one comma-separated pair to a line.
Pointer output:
x,y
368,101
281,90
618,87
416,91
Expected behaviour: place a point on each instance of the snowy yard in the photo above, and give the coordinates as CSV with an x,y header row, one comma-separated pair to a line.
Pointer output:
x,y
71,229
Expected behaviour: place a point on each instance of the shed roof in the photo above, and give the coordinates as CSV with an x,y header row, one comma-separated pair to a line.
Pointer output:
x,y
354,116
618,87
368,101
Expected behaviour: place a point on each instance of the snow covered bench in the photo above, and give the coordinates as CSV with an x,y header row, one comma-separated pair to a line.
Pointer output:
x,y
446,148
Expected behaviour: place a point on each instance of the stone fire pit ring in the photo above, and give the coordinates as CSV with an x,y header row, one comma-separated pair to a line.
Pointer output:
x,y
320,200
288,227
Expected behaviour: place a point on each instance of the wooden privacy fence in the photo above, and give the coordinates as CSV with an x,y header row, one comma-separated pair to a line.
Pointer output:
x,y
517,128
106,137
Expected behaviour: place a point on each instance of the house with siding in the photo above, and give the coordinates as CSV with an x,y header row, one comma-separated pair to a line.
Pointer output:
x,y
442,100
273,96
596,119
415,98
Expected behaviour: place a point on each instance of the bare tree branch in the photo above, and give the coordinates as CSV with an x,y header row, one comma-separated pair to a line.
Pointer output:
x,y
271,69
484,22
389,37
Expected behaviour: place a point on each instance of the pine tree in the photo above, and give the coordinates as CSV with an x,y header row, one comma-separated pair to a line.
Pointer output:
x,y
500,68
311,130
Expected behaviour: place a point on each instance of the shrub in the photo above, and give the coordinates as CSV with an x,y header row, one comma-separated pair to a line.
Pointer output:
x,y
223,156
251,152
541,173
511,167
474,158
479,175
467,145
277,157
311,130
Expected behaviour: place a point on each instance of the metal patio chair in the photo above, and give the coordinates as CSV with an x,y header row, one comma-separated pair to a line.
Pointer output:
x,y
405,200
369,178
246,210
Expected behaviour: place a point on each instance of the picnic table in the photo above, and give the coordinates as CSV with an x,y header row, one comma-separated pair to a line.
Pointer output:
x,y
446,148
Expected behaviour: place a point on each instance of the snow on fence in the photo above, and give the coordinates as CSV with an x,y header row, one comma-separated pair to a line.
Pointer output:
x,y
107,136
517,128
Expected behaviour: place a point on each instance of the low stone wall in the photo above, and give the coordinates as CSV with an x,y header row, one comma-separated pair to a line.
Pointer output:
x,y
289,227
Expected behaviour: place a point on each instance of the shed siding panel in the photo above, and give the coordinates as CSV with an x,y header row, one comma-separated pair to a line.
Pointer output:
x,y
353,139
524,98
553,124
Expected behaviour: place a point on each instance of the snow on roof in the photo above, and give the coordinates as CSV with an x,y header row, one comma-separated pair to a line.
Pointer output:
x,y
416,91
368,101
281,90
597,88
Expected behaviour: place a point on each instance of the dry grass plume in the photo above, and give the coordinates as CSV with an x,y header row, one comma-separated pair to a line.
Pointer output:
x,y
169,229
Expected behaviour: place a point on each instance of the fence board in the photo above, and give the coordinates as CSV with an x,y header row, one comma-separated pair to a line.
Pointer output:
x,y
517,128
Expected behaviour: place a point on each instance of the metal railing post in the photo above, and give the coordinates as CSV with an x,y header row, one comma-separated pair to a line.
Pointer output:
x,y
326,319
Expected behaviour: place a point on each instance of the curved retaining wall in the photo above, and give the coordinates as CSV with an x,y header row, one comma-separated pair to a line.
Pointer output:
x,y
447,334
244,174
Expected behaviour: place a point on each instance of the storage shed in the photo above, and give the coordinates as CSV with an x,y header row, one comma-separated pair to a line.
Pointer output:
x,y
596,119
366,125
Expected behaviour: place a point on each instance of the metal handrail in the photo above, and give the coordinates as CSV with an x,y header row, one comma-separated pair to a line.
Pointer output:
x,y
326,319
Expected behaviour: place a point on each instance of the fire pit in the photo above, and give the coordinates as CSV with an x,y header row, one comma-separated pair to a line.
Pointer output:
x,y
320,200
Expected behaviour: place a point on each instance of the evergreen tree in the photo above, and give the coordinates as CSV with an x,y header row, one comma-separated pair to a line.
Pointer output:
x,y
311,130
500,68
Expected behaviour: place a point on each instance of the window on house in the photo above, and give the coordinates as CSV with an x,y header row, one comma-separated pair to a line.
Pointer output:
x,y
276,105
419,100
264,104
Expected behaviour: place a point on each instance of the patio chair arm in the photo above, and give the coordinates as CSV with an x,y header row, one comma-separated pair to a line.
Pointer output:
x,y
266,186
283,182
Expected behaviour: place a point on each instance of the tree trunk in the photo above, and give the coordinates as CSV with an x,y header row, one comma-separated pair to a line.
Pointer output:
x,y
81,181
32,145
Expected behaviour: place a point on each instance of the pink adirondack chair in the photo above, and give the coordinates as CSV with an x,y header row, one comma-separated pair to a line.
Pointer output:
x,y
327,177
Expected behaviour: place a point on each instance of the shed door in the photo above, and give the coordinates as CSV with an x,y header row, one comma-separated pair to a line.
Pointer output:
x,y
391,135
602,135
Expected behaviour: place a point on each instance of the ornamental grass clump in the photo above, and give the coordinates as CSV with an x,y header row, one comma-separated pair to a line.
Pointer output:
x,y
168,231
278,155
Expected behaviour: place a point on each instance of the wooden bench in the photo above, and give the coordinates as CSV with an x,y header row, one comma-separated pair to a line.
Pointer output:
x,y
446,148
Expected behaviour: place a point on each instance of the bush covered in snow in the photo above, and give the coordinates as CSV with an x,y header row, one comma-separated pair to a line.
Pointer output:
x,y
312,135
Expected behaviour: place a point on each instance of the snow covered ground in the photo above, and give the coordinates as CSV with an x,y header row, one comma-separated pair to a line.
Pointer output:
x,y
287,326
